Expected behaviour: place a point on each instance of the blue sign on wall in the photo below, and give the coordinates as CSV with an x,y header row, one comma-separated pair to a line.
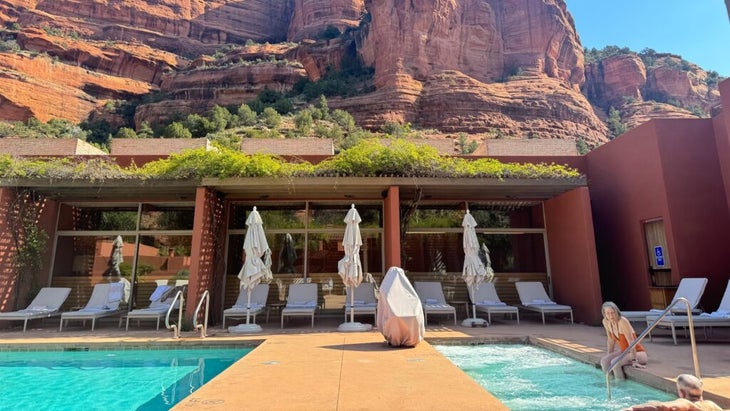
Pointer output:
x,y
659,256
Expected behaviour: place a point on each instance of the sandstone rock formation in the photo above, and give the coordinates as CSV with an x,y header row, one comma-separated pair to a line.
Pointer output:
x,y
312,17
669,87
512,67
37,86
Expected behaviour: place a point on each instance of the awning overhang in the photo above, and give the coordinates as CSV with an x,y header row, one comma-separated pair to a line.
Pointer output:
x,y
297,188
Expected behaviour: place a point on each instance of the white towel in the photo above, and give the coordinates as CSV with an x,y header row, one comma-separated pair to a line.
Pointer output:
x,y
488,302
431,301
720,314
536,301
254,306
116,292
94,309
158,292
302,304
37,308
363,304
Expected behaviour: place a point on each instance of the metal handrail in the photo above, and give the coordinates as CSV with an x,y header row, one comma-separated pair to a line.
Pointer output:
x,y
175,327
695,360
203,327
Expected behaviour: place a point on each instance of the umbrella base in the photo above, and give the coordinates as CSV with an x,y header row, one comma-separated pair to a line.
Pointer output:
x,y
354,327
474,322
245,329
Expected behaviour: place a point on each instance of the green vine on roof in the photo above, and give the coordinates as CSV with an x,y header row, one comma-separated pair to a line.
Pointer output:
x,y
369,158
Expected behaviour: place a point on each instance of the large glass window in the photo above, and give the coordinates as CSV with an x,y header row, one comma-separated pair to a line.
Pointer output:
x,y
162,217
513,233
90,218
156,253
306,244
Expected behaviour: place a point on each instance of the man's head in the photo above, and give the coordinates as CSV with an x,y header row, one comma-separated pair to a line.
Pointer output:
x,y
689,387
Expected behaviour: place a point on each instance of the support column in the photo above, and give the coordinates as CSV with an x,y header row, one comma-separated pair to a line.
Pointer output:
x,y
196,250
391,228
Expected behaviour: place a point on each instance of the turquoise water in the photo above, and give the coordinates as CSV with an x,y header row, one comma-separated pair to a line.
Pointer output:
x,y
528,378
145,380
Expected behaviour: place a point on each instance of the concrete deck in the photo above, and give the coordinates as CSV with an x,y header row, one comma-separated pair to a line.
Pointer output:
x,y
303,368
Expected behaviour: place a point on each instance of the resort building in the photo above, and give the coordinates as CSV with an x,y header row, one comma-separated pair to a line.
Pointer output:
x,y
650,208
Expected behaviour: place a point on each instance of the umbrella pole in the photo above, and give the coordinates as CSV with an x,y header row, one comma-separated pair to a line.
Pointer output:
x,y
352,304
473,304
248,305
249,327
349,326
473,321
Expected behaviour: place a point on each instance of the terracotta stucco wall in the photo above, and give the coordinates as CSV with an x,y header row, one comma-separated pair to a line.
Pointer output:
x,y
626,185
721,130
573,267
391,228
206,268
697,203
668,169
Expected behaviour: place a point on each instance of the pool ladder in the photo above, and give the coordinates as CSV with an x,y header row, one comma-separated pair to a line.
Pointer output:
x,y
176,327
180,299
202,327
648,329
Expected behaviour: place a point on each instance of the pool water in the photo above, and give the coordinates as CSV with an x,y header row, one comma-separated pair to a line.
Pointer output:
x,y
149,380
530,378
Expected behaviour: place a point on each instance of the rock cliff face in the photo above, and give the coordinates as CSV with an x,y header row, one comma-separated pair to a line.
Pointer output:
x,y
486,40
624,81
312,17
514,67
40,87
450,73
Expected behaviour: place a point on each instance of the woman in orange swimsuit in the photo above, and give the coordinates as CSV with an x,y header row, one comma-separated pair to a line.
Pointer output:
x,y
620,335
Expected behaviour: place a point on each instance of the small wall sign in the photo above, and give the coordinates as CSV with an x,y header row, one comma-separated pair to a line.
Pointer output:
x,y
659,256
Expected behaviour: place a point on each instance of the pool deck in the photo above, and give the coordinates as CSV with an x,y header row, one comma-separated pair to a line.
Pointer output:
x,y
303,368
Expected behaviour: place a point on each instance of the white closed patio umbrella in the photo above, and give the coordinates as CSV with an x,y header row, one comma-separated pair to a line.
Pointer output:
x,y
350,267
116,258
474,270
256,266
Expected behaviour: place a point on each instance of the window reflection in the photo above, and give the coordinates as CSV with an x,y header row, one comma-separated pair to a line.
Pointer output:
x,y
306,244
443,253
74,218
286,216
155,217
84,259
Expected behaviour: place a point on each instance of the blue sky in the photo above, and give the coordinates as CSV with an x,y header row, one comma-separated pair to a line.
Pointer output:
x,y
697,30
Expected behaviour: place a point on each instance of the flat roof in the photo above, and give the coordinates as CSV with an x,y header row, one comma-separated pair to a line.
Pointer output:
x,y
36,147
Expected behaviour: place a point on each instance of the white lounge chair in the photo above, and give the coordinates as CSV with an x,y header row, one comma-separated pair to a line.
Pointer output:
x,y
160,302
689,288
104,302
301,302
433,300
719,318
487,301
364,302
534,298
259,296
45,305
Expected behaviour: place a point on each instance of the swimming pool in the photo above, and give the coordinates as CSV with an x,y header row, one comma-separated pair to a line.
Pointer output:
x,y
530,378
149,380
